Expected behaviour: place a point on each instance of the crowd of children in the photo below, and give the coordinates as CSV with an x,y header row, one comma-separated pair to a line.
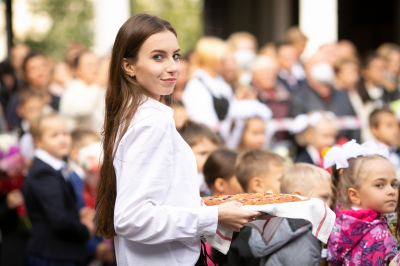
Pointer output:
x,y
223,103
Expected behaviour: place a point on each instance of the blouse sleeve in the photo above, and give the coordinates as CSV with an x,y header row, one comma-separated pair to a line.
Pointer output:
x,y
145,171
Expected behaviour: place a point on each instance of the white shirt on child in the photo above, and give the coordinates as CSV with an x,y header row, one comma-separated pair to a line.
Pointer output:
x,y
314,154
56,163
198,100
393,156
157,216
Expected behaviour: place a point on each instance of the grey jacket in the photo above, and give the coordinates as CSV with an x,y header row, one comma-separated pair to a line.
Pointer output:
x,y
293,244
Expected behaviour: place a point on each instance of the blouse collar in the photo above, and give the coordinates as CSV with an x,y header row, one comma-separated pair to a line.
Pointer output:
x,y
150,102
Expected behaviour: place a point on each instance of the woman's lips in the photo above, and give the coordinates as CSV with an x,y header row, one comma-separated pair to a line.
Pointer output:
x,y
169,81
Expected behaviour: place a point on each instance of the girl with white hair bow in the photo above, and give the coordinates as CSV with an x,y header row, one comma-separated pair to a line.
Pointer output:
x,y
315,131
245,125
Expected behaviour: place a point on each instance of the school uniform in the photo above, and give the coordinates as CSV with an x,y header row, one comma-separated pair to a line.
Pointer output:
x,y
309,155
58,237
158,217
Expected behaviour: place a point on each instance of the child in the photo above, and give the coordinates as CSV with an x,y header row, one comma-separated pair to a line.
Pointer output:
x,y
385,128
396,260
257,171
219,173
203,142
29,107
367,189
81,137
293,243
59,231
260,170
90,160
244,128
316,131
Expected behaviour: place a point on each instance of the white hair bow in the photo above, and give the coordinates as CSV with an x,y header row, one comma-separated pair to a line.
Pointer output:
x,y
302,121
238,113
339,156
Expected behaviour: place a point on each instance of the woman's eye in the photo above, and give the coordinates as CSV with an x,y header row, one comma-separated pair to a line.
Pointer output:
x,y
176,56
379,185
157,57
394,185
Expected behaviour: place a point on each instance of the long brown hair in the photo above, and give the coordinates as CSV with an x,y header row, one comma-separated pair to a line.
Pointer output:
x,y
123,97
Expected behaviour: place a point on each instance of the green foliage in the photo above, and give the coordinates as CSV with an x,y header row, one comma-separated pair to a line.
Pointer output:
x,y
184,15
71,22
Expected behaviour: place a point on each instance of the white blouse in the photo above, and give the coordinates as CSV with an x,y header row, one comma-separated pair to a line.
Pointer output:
x,y
157,216
198,100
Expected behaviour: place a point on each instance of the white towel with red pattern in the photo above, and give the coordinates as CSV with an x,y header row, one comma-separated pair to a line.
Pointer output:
x,y
313,210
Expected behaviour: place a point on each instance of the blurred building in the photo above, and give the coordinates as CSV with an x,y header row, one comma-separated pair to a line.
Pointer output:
x,y
368,23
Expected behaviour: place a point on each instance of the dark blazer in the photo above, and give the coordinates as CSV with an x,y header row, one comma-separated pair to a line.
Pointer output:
x,y
13,238
303,157
57,233
306,99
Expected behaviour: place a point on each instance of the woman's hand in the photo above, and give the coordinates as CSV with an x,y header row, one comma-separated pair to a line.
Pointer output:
x,y
232,217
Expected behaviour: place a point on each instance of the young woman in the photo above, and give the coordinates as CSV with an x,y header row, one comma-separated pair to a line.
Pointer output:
x,y
148,195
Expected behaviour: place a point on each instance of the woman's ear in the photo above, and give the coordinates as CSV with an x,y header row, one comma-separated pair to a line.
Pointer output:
x,y
255,185
354,196
220,185
128,67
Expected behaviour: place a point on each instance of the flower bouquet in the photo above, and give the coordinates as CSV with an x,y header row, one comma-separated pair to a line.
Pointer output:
x,y
11,173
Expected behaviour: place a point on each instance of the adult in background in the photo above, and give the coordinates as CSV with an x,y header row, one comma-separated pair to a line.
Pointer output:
x,y
269,90
390,52
319,94
156,217
37,73
82,103
296,37
287,58
207,95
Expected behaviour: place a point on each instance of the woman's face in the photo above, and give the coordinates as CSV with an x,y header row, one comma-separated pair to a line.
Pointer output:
x,y
158,67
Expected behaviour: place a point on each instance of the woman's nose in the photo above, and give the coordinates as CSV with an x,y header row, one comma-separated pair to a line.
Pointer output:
x,y
173,66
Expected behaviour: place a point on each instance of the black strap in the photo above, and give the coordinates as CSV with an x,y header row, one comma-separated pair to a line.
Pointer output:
x,y
221,105
203,256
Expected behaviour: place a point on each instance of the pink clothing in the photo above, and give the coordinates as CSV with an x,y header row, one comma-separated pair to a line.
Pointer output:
x,y
360,237
209,252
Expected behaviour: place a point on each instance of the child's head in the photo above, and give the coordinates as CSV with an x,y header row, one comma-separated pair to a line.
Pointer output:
x,y
260,170
201,139
210,52
317,129
373,69
30,104
50,134
82,137
253,135
384,126
346,73
219,173
303,179
242,41
369,183
244,127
